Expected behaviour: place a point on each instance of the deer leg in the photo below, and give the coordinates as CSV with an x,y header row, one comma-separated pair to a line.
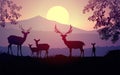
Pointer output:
x,y
94,53
70,52
31,54
40,53
8,48
91,53
17,50
37,54
47,53
20,50
82,52
11,49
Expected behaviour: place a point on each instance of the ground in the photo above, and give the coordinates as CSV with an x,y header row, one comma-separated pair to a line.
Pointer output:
x,y
60,65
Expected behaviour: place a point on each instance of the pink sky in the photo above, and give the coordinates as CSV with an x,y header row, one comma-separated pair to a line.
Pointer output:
x,y
31,8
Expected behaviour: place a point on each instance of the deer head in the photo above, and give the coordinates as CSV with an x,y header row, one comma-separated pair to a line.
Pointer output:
x,y
63,35
30,45
25,33
36,41
93,44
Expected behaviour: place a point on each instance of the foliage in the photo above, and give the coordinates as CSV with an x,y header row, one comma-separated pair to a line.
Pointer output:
x,y
8,12
106,14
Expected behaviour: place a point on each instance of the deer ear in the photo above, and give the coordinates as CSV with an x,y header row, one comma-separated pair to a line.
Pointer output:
x,y
28,32
23,32
34,39
38,39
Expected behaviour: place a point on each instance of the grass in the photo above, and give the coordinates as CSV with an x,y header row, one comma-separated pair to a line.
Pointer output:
x,y
59,65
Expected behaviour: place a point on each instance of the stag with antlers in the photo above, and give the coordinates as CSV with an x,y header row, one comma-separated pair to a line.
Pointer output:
x,y
71,44
17,40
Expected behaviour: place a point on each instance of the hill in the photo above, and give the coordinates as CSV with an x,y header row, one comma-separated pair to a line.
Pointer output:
x,y
60,65
41,24
44,29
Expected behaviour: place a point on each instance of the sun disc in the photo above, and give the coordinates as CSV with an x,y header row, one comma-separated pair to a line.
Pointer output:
x,y
58,14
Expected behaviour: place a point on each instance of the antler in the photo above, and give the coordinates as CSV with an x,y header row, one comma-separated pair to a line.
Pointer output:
x,y
20,26
69,31
29,29
56,30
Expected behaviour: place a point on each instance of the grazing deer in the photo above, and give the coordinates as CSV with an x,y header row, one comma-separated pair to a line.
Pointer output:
x,y
17,40
71,44
93,49
42,47
33,50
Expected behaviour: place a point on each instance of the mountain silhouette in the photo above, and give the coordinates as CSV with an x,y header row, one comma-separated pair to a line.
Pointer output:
x,y
41,24
44,29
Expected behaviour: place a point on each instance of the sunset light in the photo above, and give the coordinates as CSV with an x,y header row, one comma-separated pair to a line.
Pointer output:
x,y
58,14
59,37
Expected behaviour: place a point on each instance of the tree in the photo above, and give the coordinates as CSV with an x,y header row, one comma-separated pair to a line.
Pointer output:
x,y
8,12
106,14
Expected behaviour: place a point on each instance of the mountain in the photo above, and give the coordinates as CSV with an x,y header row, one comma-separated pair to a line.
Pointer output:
x,y
43,29
41,24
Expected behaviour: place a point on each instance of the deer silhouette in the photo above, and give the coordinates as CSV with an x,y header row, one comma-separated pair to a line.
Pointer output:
x,y
17,40
34,50
93,49
71,44
42,47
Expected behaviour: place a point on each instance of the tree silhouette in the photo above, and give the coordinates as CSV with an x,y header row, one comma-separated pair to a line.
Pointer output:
x,y
8,12
106,14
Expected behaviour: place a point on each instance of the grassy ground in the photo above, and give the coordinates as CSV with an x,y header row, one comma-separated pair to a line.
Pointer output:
x,y
60,65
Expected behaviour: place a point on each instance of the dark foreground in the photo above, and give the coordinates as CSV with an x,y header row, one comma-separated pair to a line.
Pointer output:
x,y
60,65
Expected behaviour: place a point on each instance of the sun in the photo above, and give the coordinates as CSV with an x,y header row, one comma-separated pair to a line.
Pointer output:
x,y
58,14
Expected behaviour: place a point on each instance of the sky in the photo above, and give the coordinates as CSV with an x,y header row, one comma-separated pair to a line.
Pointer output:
x,y
32,8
